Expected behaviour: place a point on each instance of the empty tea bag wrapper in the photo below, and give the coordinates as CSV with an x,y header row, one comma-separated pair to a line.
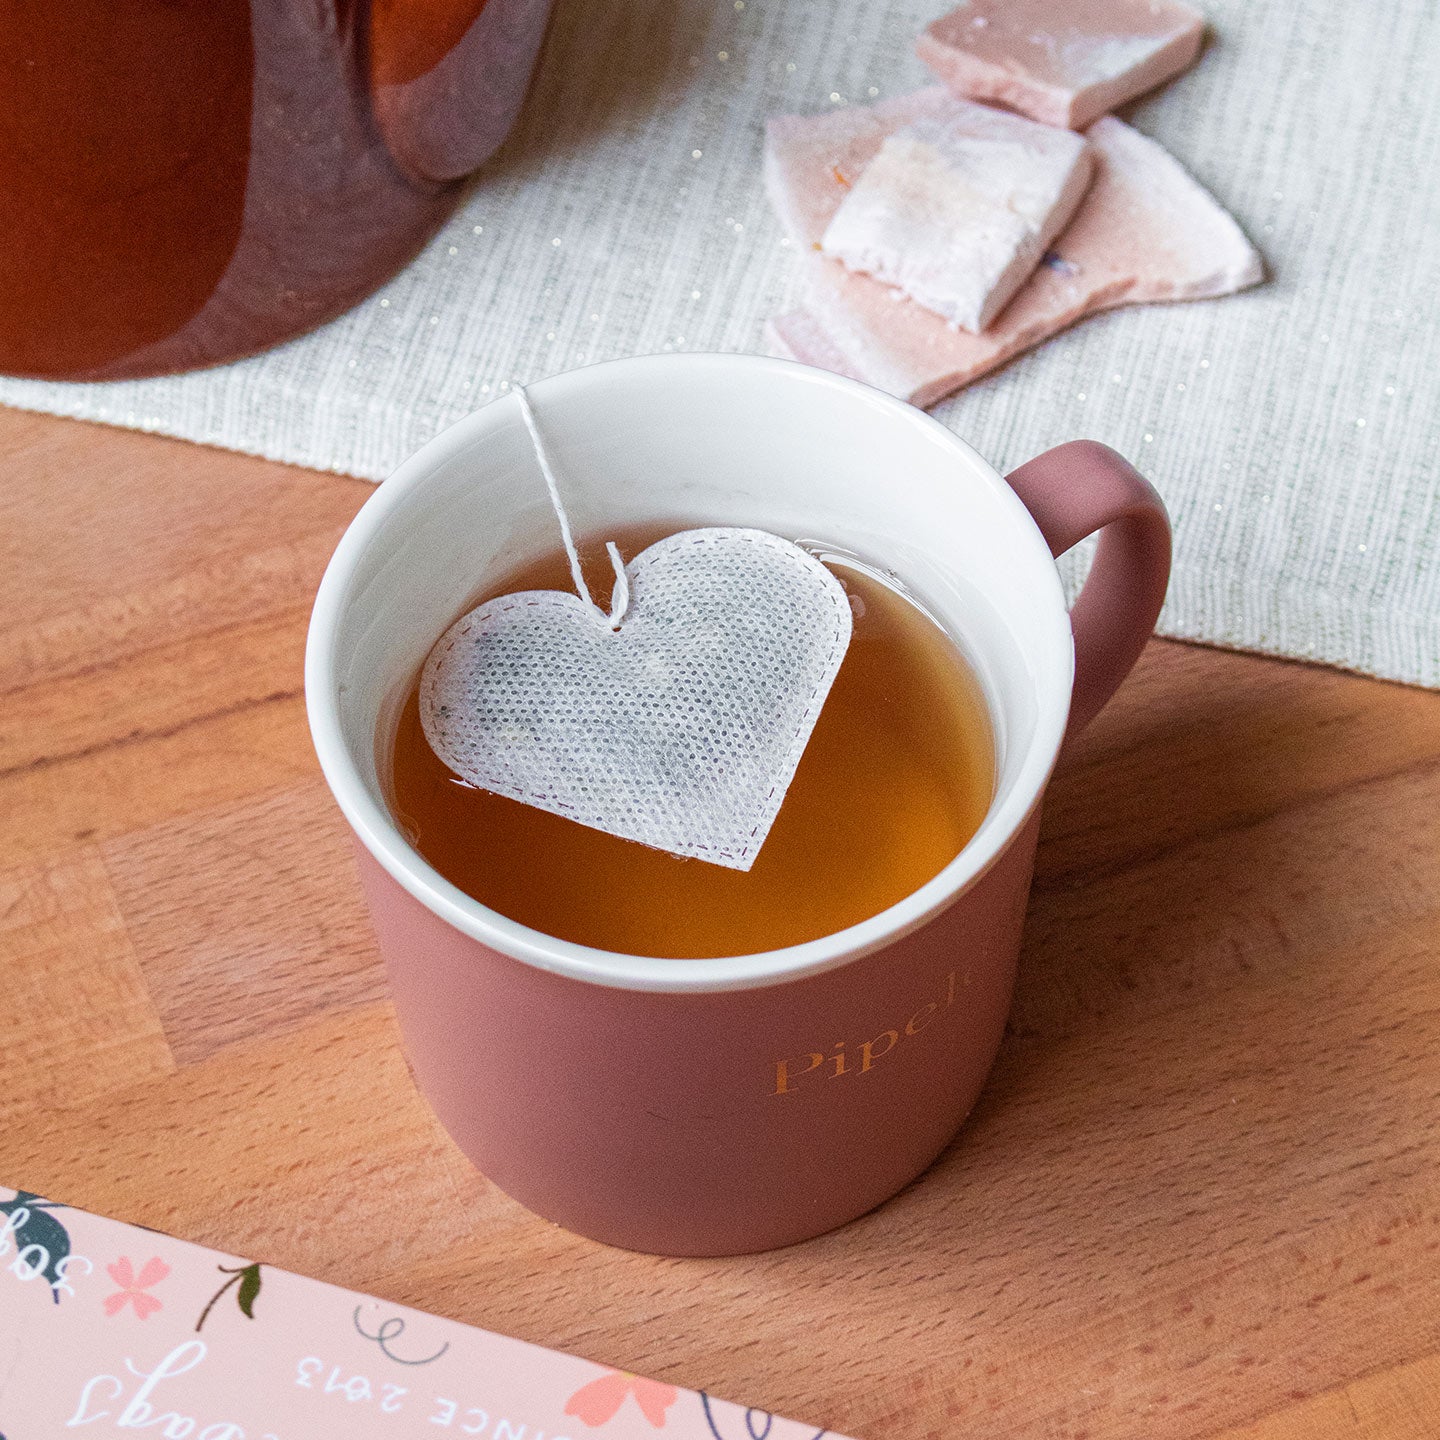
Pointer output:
x,y
677,719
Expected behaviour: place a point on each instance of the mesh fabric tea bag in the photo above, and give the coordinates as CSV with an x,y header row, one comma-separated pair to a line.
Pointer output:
x,y
676,720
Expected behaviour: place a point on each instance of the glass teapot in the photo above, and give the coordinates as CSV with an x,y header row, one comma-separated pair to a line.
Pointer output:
x,y
184,182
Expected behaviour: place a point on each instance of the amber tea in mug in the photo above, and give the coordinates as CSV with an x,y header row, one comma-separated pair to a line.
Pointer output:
x,y
898,775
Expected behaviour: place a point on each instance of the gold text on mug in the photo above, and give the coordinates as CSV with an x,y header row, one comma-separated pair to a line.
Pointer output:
x,y
857,1059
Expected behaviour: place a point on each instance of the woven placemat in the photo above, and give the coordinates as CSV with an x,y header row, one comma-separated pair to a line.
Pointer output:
x,y
1292,429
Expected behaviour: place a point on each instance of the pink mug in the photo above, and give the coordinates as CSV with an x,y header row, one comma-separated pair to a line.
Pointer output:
x,y
711,1107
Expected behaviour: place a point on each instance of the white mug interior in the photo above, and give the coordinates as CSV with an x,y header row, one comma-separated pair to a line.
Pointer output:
x,y
699,439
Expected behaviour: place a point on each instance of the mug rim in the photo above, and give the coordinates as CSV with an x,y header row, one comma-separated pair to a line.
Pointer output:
x,y
377,830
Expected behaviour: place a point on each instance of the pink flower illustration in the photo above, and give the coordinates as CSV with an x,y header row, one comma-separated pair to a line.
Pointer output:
x,y
598,1401
133,1287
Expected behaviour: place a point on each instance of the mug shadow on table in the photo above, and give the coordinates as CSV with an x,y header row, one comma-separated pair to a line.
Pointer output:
x,y
1211,933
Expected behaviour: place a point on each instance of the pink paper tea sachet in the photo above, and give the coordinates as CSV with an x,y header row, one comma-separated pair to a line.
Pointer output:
x,y
956,210
108,1329
1145,231
1064,62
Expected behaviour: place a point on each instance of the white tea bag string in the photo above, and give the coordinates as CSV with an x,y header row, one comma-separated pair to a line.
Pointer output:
x,y
681,728
620,595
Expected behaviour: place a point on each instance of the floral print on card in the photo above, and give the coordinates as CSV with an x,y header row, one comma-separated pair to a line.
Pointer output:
x,y
109,1328
135,1287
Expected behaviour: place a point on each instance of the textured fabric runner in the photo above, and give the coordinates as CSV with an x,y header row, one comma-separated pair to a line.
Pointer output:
x,y
1292,429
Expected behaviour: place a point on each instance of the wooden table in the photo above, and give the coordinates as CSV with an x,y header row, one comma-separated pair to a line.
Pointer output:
x,y
1201,1195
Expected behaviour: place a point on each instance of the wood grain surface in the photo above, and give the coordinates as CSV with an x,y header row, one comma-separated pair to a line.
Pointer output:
x,y
1200,1197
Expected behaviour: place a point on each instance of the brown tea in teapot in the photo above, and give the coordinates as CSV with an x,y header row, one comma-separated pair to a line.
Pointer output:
x,y
186,181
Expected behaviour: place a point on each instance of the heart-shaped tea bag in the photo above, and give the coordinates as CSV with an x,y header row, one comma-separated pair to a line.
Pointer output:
x,y
678,720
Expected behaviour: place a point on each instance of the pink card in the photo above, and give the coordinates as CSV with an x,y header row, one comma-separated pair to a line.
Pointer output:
x,y
105,1328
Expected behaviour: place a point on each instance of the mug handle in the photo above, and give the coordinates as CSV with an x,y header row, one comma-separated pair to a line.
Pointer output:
x,y
1071,492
